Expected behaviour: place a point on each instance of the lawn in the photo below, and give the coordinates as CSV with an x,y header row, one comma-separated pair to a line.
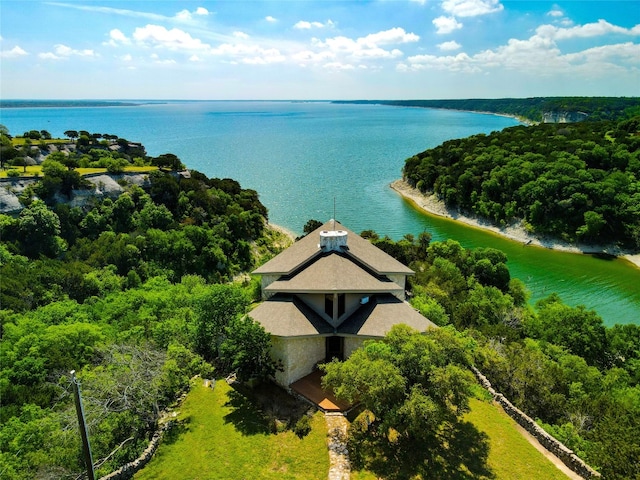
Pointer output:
x,y
223,435
36,170
511,456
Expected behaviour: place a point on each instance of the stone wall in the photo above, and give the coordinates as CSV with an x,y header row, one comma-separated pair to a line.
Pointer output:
x,y
566,455
298,356
127,471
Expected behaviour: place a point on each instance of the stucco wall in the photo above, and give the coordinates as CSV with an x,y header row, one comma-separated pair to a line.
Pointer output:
x,y
400,280
266,281
298,355
316,302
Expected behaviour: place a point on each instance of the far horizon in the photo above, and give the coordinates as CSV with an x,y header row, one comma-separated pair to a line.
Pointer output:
x,y
312,50
319,100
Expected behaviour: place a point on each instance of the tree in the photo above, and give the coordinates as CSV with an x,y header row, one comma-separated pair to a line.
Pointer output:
x,y
578,329
72,134
215,310
413,388
168,160
39,230
247,350
311,225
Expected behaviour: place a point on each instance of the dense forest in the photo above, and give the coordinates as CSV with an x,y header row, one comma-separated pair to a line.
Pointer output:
x,y
578,182
135,294
533,109
579,379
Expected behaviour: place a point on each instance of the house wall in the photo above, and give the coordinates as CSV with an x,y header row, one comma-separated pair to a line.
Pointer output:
x,y
400,280
351,344
298,356
316,302
352,303
266,281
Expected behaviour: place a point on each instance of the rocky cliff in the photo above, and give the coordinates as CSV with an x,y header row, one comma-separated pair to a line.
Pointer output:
x,y
104,185
563,117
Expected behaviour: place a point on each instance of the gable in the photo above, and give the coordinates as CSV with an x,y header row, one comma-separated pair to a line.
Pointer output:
x,y
307,248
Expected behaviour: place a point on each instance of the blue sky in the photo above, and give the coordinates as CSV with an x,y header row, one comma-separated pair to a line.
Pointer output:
x,y
383,49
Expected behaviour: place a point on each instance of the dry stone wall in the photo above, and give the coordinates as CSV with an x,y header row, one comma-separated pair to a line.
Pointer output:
x,y
127,471
560,450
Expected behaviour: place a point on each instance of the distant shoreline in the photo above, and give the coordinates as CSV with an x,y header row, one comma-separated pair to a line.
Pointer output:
x,y
67,103
432,205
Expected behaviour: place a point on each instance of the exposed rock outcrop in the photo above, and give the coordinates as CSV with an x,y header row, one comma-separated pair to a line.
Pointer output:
x,y
104,185
563,117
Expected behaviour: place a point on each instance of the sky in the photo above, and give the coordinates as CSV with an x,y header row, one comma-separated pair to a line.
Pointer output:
x,y
318,50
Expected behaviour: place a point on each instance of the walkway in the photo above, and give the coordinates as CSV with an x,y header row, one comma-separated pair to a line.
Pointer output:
x,y
339,466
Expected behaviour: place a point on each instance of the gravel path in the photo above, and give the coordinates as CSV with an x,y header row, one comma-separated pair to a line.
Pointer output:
x,y
339,466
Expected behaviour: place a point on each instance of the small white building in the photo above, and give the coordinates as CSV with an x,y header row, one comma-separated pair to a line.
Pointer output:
x,y
326,294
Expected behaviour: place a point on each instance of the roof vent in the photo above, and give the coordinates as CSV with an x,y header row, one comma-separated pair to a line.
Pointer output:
x,y
333,240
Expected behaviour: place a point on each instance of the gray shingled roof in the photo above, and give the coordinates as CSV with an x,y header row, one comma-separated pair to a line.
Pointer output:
x,y
308,247
285,316
334,273
376,318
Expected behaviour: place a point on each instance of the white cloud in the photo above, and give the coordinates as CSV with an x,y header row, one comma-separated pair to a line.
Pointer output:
x,y
241,35
555,12
600,28
270,19
116,37
458,63
265,57
471,8
446,25
126,58
540,55
389,37
248,54
15,52
186,15
174,39
338,66
61,51
304,25
626,52
48,56
449,46
308,56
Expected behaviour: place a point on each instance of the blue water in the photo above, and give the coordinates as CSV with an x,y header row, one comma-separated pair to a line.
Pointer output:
x,y
300,156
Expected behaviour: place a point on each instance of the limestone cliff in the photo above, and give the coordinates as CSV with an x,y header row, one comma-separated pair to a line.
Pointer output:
x,y
104,185
563,117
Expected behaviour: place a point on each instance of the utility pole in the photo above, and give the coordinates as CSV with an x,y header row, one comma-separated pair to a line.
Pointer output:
x,y
82,424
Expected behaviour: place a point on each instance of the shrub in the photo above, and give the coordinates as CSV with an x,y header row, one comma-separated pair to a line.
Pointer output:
x,y
302,426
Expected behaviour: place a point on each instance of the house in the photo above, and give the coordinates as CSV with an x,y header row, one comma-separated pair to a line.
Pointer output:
x,y
328,293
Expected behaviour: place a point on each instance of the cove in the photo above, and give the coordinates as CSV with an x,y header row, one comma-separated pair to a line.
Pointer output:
x,y
579,279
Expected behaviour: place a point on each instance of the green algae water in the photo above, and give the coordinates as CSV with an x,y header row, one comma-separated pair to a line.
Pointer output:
x,y
300,156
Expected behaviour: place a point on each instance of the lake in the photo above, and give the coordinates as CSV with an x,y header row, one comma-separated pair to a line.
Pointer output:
x,y
303,156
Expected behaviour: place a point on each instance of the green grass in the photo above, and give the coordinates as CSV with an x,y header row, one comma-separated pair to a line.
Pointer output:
x,y
19,141
511,456
36,170
223,436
